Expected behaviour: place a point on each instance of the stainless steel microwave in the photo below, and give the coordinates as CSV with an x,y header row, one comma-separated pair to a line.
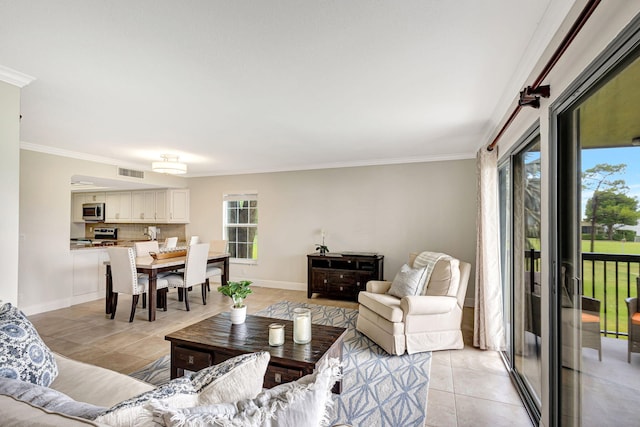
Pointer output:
x,y
93,211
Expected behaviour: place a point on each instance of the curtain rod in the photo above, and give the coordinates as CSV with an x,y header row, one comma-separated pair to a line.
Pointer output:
x,y
584,16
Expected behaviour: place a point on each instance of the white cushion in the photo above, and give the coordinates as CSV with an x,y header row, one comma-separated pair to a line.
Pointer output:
x,y
305,402
234,379
407,281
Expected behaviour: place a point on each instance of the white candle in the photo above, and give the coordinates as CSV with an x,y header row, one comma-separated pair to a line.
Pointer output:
x,y
276,334
301,326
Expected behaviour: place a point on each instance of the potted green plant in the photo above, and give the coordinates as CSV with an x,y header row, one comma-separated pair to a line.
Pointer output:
x,y
237,291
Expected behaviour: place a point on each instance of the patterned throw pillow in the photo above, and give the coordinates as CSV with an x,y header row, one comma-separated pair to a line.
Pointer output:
x,y
23,354
238,378
407,281
305,402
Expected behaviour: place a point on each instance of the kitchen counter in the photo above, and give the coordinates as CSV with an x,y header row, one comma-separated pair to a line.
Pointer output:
x,y
84,244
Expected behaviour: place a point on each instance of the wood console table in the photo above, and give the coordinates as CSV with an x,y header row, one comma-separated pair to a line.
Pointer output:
x,y
342,275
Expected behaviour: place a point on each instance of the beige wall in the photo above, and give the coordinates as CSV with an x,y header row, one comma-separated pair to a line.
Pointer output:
x,y
392,210
46,265
604,25
9,188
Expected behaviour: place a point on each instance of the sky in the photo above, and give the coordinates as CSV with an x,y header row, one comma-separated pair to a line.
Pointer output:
x,y
614,156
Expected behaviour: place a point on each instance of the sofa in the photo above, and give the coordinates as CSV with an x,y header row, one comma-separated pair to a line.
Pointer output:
x,y
41,388
421,309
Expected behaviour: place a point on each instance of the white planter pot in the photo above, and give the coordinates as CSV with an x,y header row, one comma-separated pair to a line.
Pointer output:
x,y
238,315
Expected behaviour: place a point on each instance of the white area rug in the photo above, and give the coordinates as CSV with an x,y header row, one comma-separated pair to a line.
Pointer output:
x,y
377,389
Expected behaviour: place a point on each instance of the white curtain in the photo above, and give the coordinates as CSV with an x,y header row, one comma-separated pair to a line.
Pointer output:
x,y
488,326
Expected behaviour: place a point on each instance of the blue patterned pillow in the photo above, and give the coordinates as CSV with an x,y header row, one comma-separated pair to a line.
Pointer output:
x,y
23,354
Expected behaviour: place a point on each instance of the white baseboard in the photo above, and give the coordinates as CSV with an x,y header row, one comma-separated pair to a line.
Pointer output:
x,y
48,306
276,284
79,299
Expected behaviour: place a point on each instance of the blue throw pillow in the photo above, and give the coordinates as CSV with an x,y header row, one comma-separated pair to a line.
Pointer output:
x,y
23,354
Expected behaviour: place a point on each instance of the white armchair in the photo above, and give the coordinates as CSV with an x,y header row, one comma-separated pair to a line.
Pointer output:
x,y
428,321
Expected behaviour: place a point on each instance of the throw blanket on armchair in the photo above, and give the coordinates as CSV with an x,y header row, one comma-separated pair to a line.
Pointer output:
x,y
428,261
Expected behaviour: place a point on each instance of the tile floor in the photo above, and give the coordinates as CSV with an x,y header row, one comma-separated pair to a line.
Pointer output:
x,y
468,387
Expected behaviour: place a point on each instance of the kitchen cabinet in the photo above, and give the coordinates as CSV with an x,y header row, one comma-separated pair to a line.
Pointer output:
x,y
150,206
118,206
178,206
78,199
161,210
88,273
143,206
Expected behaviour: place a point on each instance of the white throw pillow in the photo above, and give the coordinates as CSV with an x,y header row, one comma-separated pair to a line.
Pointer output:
x,y
407,281
234,379
305,402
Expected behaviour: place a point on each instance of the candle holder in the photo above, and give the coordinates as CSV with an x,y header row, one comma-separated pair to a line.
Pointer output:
x,y
276,334
301,325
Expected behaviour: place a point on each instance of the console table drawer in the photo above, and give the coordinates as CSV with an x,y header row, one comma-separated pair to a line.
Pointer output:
x,y
342,275
276,375
191,360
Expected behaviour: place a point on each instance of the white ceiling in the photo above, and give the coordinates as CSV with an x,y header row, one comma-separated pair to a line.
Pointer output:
x,y
266,85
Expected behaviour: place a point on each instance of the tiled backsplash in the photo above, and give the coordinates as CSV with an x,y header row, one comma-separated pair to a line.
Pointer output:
x,y
137,231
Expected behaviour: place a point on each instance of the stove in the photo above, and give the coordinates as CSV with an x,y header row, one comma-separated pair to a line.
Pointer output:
x,y
106,233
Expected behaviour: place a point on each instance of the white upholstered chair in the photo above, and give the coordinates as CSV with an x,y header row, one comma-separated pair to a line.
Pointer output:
x,y
193,240
125,280
170,242
194,273
430,320
218,246
143,248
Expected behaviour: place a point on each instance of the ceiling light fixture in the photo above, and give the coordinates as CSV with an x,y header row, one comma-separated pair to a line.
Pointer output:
x,y
170,165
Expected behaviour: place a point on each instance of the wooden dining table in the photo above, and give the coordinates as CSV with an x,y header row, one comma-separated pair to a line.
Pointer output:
x,y
151,267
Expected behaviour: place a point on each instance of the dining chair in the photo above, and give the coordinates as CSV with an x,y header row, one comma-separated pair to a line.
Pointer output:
x,y
193,240
143,248
125,280
170,242
218,246
194,273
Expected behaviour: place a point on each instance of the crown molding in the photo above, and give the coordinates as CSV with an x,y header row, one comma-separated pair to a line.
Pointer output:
x,y
14,77
337,165
81,156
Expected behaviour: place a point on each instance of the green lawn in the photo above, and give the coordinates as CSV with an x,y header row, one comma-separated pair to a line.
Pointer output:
x,y
612,247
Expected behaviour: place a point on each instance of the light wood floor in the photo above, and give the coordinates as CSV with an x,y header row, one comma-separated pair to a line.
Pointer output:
x,y
467,387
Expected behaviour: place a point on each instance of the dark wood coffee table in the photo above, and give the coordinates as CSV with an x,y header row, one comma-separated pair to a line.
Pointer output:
x,y
215,339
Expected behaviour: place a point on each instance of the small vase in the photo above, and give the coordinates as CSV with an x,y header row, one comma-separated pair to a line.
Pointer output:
x,y
238,315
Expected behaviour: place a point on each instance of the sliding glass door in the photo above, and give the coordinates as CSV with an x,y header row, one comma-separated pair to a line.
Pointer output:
x,y
597,242
520,213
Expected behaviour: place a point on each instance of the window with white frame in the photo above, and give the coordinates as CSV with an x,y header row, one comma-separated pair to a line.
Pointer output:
x,y
240,225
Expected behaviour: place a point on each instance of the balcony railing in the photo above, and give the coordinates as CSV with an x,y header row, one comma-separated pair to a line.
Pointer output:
x,y
609,278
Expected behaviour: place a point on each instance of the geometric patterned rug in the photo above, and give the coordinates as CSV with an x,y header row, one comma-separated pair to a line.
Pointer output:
x,y
378,389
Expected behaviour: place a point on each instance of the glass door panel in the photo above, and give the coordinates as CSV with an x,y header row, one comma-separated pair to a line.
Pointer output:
x,y
526,269
598,154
